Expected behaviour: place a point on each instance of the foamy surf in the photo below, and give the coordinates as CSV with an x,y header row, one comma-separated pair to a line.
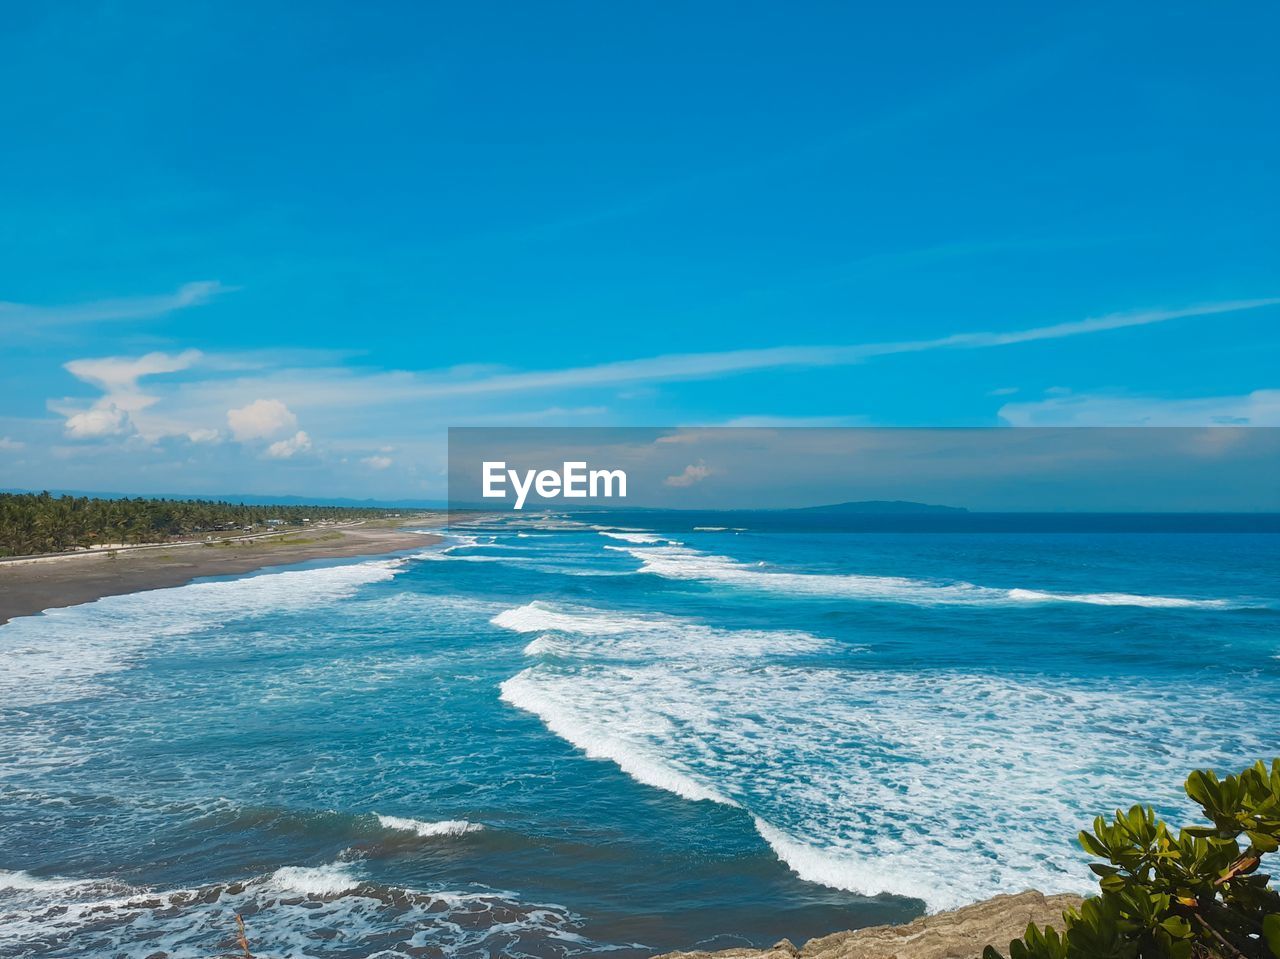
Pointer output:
x,y
59,654
680,562
328,880
944,760
583,632
942,786
638,538
301,911
866,875
524,691
443,827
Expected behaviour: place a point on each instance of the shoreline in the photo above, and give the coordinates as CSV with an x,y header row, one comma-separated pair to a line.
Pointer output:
x,y
31,586
955,934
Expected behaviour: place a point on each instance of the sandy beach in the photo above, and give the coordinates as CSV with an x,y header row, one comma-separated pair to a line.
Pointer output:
x,y
28,587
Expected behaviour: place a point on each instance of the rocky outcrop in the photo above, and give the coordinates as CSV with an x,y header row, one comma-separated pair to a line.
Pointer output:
x,y
959,934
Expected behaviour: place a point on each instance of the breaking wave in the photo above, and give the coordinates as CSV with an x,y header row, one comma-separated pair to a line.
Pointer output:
x,y
941,786
444,827
57,655
577,631
680,562
326,910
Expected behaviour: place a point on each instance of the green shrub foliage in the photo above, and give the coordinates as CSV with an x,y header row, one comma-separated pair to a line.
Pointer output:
x,y
1193,895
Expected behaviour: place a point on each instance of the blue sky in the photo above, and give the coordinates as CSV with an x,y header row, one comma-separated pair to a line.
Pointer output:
x,y
249,250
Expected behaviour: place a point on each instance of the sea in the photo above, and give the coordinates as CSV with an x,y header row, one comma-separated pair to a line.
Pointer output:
x,y
571,734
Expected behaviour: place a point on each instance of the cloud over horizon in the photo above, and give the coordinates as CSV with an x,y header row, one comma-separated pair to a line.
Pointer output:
x,y
115,412
261,419
194,399
1063,408
299,442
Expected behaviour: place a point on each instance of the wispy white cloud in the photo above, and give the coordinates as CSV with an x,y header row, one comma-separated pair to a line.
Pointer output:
x,y
377,462
28,316
1097,324
11,445
336,400
118,376
1259,408
686,366
757,421
354,388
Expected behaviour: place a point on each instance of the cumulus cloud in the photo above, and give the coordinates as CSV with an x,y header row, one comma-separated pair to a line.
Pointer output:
x,y
377,462
123,398
693,473
99,421
299,442
261,420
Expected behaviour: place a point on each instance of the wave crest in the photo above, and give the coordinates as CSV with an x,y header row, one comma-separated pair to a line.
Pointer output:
x,y
679,562
443,827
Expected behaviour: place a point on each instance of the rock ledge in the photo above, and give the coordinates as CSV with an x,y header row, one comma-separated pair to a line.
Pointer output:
x,y
959,934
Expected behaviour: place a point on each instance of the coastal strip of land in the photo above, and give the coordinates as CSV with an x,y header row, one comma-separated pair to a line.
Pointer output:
x,y
958,934
31,585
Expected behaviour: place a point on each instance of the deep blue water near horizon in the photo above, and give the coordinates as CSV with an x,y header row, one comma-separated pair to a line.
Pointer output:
x,y
566,734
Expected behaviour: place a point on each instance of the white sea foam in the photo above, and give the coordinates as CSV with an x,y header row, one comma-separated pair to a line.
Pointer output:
x,y
303,911
456,541
579,631
538,616
680,562
59,654
467,558
939,785
638,538
443,827
327,880
1118,599
17,881
636,760
901,875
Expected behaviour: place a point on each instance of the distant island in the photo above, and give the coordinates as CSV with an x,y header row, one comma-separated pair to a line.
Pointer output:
x,y
881,506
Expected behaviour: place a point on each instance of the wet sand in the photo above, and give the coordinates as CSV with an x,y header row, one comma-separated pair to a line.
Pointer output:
x,y
28,587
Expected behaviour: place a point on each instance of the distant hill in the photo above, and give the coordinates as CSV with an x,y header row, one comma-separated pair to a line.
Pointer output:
x,y
894,507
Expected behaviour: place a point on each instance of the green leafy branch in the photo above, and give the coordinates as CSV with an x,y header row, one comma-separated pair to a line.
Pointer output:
x,y
1198,894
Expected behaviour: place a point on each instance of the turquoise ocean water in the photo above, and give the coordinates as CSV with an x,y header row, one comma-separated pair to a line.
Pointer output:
x,y
562,735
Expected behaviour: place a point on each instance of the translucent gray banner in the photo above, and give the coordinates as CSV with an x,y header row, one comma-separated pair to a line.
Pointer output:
x,y
881,477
